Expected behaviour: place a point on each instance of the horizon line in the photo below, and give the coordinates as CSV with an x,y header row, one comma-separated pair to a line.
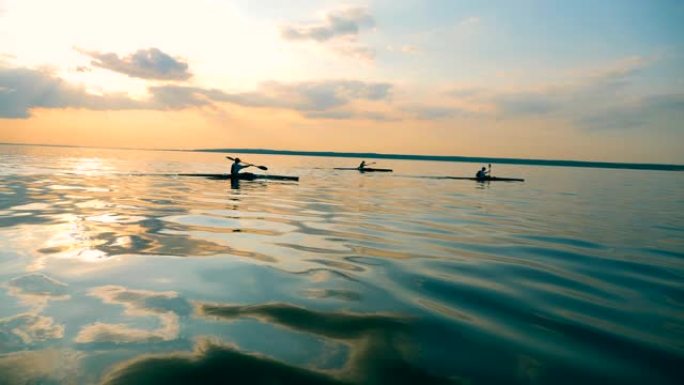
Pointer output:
x,y
418,157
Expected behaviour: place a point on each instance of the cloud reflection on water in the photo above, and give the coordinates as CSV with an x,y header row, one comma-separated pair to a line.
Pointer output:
x,y
381,352
165,306
45,367
28,328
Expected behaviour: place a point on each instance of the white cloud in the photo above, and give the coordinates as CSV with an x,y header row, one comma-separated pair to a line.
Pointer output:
x,y
595,99
23,89
149,63
346,22
339,30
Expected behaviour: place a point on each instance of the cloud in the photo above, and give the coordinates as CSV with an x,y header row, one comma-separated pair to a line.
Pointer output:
x,y
319,95
428,112
357,51
317,99
23,89
149,63
346,22
180,97
668,109
598,99
584,93
344,114
339,30
408,49
306,97
529,103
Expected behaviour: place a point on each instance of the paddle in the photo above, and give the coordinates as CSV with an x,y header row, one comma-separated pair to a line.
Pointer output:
x,y
250,164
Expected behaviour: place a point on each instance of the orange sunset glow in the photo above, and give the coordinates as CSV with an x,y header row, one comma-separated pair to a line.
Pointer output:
x,y
435,78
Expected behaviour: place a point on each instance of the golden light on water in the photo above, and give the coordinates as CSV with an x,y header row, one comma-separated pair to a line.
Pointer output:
x,y
90,166
72,239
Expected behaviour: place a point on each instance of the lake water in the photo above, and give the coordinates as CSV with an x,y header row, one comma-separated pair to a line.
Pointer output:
x,y
115,271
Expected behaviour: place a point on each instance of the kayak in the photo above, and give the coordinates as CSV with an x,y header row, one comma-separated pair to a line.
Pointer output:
x,y
488,179
244,176
365,169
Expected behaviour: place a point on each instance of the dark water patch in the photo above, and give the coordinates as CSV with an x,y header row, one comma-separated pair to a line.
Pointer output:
x,y
610,340
669,228
24,219
213,365
509,275
677,255
596,263
564,241
381,343
335,325
470,299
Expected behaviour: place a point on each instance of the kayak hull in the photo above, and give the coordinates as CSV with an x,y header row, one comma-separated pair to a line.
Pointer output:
x,y
243,176
366,169
488,179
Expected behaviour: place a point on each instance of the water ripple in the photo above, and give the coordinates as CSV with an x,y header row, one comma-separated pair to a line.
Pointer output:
x,y
340,278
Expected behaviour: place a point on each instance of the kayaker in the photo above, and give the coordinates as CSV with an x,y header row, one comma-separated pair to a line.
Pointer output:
x,y
483,174
237,166
362,165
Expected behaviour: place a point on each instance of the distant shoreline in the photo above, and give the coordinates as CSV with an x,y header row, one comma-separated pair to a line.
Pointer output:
x,y
373,155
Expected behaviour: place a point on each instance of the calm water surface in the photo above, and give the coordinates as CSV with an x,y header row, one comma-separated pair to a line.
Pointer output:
x,y
115,271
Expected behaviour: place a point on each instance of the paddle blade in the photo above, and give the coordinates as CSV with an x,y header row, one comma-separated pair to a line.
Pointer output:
x,y
262,168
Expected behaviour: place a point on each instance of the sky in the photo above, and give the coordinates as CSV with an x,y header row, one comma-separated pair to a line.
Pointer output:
x,y
581,79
